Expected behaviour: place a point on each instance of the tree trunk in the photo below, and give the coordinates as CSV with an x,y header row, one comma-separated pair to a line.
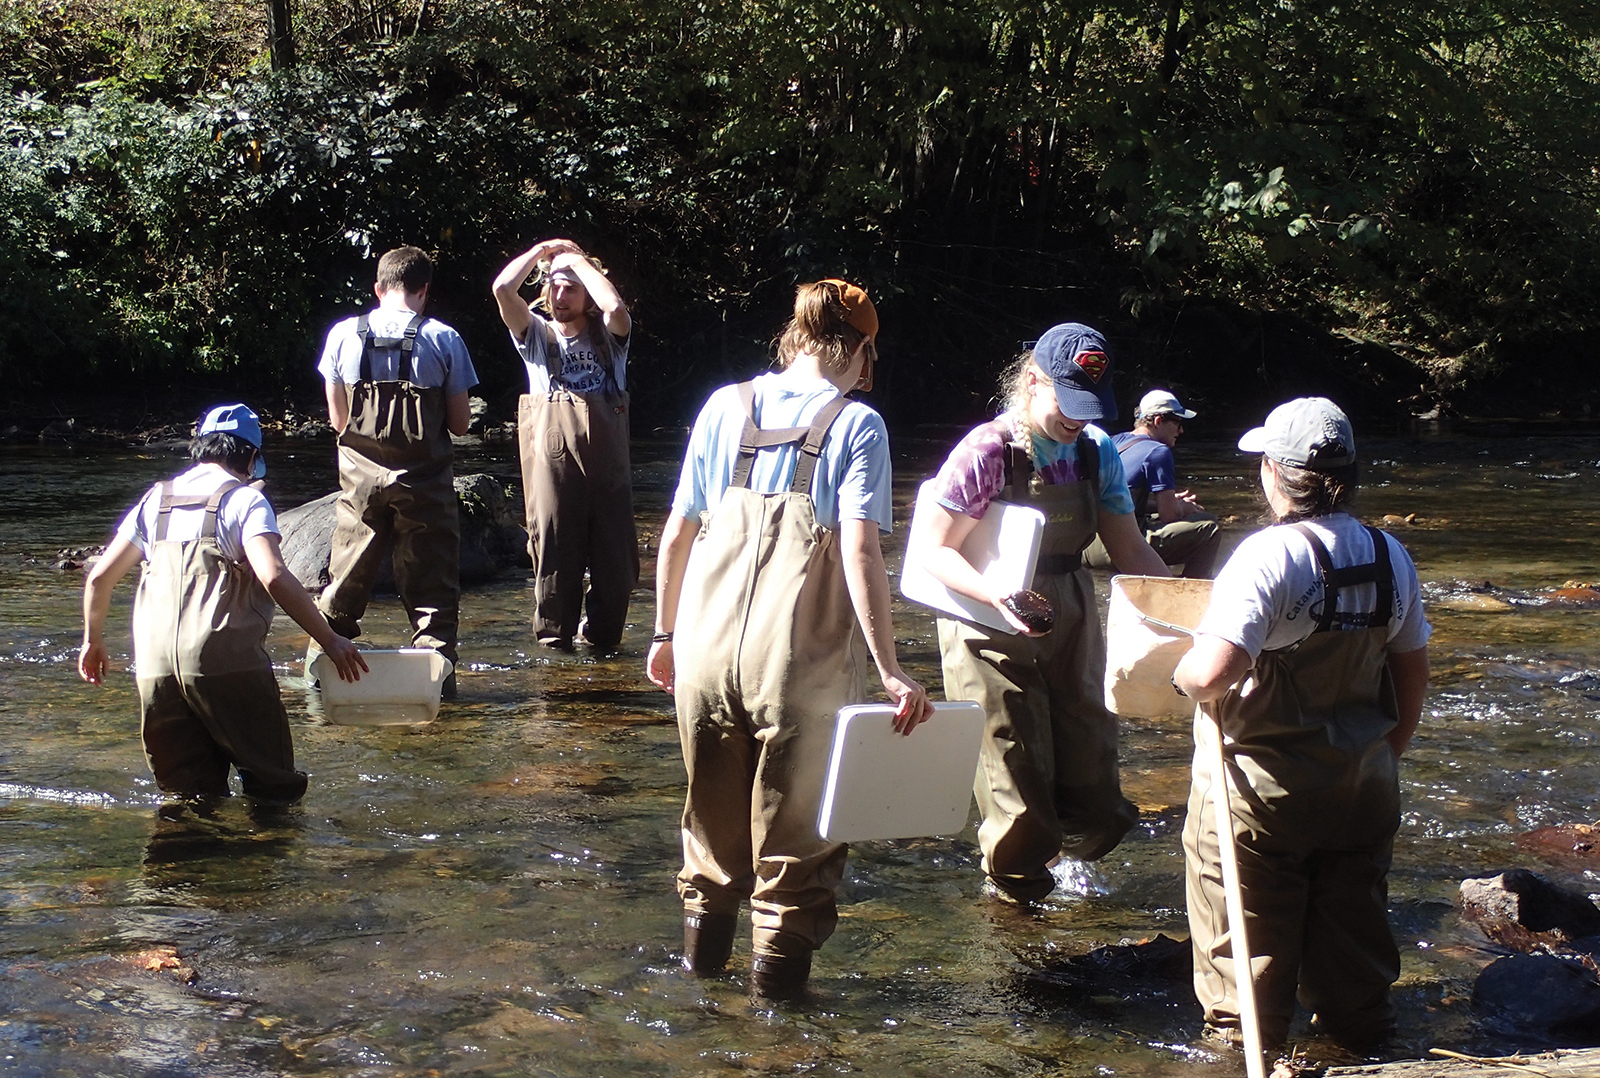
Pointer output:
x,y
280,35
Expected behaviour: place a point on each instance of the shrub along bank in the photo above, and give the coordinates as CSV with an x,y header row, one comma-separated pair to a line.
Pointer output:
x,y
1395,203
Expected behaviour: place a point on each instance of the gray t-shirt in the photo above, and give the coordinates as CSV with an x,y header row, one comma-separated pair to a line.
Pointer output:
x,y
576,362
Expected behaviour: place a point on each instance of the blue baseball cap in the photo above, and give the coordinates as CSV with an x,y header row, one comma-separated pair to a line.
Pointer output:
x,y
1077,360
239,421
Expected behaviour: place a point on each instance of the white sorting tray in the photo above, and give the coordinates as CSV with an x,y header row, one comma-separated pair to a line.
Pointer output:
x,y
400,687
1003,547
887,785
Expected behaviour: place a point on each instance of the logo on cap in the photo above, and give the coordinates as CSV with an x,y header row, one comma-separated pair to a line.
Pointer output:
x,y
1093,364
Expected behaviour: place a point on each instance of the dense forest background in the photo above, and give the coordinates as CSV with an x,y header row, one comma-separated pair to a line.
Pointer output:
x,y
1394,203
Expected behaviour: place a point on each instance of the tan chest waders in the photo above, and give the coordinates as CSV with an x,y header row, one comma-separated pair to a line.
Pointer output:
x,y
208,697
767,650
578,494
1315,805
396,490
1047,779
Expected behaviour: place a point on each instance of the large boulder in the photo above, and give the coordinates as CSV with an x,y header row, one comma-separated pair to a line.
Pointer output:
x,y
1524,911
493,541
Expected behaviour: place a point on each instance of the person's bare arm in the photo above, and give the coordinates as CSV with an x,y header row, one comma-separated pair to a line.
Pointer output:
x,y
600,289
457,413
1211,667
1410,671
508,285
677,540
1126,546
868,585
113,565
266,558
338,405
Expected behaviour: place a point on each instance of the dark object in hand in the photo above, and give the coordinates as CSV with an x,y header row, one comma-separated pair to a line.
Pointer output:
x,y
1032,609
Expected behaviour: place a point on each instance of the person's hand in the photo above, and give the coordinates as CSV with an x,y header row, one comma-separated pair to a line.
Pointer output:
x,y
1191,505
659,667
1011,619
93,662
912,706
346,659
552,248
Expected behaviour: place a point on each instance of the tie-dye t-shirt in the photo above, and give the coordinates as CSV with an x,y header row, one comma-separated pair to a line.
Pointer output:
x,y
976,468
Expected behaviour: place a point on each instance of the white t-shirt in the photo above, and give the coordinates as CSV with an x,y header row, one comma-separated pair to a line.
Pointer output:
x,y
852,480
245,513
579,367
439,358
1269,594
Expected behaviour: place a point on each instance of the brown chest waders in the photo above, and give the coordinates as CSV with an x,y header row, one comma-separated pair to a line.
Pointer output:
x,y
767,650
1047,780
578,494
208,698
396,490
1315,805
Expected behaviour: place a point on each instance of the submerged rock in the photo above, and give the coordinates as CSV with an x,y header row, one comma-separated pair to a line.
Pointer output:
x,y
1574,845
493,540
1558,996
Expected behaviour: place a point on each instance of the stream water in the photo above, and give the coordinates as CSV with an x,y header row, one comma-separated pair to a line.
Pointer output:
x,y
492,894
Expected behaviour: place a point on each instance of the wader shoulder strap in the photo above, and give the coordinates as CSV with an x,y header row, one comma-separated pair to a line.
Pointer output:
x,y
211,503
1377,571
810,438
406,342
1089,461
1018,466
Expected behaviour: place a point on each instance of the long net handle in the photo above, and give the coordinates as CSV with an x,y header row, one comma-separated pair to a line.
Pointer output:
x,y
1244,975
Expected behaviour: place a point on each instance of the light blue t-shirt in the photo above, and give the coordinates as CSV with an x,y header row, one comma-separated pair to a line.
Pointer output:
x,y
852,480
439,359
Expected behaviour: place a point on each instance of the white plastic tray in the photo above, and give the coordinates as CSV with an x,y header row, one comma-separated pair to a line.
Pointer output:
x,y
887,785
1003,547
400,687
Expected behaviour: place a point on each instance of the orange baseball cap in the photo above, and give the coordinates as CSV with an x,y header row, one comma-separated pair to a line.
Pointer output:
x,y
858,308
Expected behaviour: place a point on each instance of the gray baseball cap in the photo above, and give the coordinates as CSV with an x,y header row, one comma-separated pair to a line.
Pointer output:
x,y
1162,402
1308,432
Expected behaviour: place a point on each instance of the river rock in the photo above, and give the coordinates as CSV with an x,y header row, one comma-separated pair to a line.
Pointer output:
x,y
493,541
1573,845
1559,996
1524,911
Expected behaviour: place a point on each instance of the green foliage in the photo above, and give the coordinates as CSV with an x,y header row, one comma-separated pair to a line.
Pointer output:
x,y
1420,174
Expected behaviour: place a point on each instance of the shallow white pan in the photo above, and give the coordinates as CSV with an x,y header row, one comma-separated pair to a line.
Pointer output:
x,y
886,785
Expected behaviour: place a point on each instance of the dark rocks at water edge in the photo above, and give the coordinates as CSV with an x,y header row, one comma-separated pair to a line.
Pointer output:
x,y
1554,987
493,541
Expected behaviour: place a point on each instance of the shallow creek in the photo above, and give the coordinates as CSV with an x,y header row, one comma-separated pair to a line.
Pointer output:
x,y
491,894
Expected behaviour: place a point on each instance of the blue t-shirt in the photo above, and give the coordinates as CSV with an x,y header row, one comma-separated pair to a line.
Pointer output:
x,y
439,359
852,480
1147,462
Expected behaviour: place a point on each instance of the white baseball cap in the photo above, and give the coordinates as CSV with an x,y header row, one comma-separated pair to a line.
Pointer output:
x,y
1307,432
1162,402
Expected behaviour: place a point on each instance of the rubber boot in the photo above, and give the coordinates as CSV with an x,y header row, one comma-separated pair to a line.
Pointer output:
x,y
781,969
707,942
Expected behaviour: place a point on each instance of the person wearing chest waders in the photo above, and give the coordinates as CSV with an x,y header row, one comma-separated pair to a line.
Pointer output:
x,y
772,606
1313,658
572,434
1047,783
208,698
397,385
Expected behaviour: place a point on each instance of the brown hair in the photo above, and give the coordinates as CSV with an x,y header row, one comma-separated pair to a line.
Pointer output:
x,y
1314,494
408,268
820,326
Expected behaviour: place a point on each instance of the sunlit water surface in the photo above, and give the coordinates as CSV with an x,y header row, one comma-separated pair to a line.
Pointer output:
x,y
492,894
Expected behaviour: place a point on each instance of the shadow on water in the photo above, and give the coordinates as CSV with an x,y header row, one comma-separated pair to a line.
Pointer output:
x,y
492,893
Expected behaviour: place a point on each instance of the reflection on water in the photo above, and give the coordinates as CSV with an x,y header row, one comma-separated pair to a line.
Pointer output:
x,y
492,893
